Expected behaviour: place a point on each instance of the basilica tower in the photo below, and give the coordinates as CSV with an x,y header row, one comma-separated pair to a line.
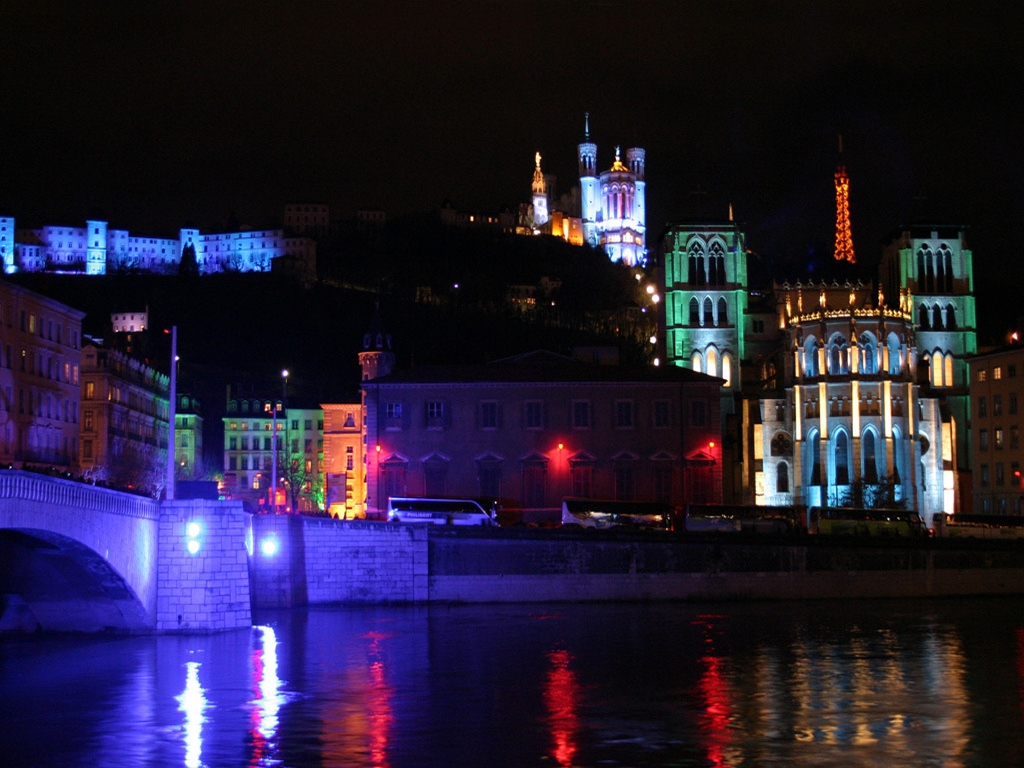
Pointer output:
x,y
590,191
540,196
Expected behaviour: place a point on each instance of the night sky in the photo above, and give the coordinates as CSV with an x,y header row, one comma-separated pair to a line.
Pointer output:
x,y
157,114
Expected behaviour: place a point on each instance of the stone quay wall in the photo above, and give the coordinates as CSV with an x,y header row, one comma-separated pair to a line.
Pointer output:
x,y
321,561
313,560
202,570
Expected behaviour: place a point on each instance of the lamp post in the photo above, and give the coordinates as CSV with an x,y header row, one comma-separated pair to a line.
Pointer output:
x,y
284,415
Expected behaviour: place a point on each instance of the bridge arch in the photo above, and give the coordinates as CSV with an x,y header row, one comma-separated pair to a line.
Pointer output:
x,y
51,582
76,557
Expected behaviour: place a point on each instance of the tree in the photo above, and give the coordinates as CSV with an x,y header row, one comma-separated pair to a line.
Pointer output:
x,y
188,266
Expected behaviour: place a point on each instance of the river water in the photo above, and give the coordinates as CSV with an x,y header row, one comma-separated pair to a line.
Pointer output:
x,y
873,683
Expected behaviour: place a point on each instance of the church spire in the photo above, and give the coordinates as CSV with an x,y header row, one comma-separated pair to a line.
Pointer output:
x,y
844,235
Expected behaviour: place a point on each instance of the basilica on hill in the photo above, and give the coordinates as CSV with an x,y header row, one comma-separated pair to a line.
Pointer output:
x,y
608,209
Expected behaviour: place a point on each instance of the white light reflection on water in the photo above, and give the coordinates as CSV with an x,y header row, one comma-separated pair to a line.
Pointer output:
x,y
268,698
192,701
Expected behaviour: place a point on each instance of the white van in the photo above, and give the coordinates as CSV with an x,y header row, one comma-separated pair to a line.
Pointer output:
x,y
438,511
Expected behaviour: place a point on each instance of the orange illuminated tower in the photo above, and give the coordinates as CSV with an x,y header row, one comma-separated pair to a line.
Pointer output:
x,y
844,237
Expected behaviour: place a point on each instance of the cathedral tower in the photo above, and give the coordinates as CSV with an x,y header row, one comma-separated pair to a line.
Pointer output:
x,y
376,359
590,193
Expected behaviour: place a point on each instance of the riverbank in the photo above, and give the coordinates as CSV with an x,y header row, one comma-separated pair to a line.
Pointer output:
x,y
321,561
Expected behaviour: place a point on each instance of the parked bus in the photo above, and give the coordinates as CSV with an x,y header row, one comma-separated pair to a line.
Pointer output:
x,y
979,526
749,518
843,521
602,513
438,511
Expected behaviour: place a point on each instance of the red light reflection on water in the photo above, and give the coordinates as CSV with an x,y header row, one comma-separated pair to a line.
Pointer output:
x,y
378,702
561,693
717,707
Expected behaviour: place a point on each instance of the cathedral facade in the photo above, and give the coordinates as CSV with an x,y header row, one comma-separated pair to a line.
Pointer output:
x,y
836,394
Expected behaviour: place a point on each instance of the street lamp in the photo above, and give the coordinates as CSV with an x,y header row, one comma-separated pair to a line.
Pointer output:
x,y
273,408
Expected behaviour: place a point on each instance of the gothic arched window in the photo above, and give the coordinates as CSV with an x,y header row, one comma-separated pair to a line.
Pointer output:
x,y
723,312
869,352
922,317
950,317
947,260
709,314
842,458
712,362
936,317
870,462
782,478
694,312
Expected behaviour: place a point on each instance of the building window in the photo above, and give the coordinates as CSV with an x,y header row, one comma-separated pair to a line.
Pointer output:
x,y
698,413
982,439
533,485
581,414
436,413
87,449
624,414
661,481
998,435
582,478
662,414
625,480
534,414
90,390
1014,438
997,405
1011,370
982,375
842,459
1000,479
997,372
489,476
489,414
782,477
1012,403
982,408
393,416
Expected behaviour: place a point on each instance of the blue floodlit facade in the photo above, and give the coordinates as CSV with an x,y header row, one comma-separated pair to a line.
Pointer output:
x,y
97,249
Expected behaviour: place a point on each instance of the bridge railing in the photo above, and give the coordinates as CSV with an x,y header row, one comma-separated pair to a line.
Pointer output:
x,y
29,486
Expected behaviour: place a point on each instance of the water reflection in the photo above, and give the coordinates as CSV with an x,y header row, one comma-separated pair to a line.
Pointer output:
x,y
192,702
608,685
267,699
560,696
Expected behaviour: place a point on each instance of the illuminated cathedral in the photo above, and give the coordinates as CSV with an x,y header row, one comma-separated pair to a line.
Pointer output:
x,y
613,203
835,394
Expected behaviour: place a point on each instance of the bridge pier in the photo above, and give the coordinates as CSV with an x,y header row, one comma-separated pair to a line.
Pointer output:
x,y
203,567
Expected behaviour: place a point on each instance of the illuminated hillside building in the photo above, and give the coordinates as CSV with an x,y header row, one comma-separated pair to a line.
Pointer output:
x,y
831,388
96,249
613,203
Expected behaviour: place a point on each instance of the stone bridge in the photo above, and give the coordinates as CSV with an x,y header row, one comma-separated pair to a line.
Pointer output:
x,y
75,557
